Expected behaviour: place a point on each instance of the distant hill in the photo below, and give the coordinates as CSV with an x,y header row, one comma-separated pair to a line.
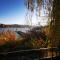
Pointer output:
x,y
13,26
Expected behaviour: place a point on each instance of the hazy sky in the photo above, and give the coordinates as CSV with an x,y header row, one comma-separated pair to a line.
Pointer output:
x,y
12,11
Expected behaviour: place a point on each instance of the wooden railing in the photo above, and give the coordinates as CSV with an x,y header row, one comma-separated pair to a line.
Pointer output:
x,y
42,53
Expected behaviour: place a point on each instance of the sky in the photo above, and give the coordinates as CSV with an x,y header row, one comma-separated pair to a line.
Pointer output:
x,y
14,12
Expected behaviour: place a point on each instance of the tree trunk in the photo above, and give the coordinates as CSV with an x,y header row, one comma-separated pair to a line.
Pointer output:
x,y
56,17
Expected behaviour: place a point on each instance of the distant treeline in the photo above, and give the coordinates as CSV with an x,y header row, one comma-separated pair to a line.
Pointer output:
x,y
13,26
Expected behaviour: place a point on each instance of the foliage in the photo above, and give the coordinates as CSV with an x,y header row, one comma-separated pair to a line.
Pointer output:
x,y
6,36
30,40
